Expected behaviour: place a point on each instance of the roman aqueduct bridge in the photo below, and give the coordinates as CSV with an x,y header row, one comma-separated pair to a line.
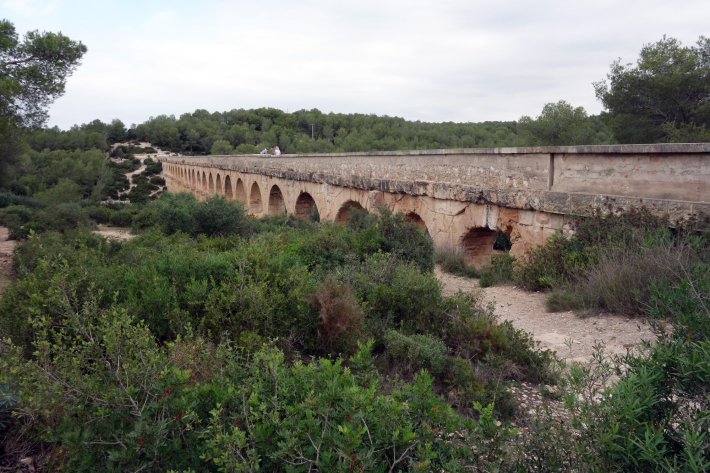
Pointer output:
x,y
462,197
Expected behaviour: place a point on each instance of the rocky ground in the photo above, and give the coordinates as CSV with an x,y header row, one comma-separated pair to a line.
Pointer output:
x,y
572,337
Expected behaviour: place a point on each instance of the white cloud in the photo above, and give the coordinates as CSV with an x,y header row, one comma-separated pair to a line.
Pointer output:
x,y
429,60
32,7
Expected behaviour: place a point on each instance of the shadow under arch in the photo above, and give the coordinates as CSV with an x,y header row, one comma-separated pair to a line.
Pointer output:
x,y
255,205
211,187
204,181
344,211
240,192
277,206
418,222
228,187
305,204
219,189
477,246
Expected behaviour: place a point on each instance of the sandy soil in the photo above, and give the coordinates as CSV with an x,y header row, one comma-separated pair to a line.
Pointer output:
x,y
527,311
6,247
113,232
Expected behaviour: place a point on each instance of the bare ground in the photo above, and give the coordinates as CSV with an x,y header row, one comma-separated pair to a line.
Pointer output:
x,y
114,232
6,248
526,310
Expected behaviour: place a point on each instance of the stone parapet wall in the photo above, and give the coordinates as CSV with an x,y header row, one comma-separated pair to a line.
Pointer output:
x,y
669,178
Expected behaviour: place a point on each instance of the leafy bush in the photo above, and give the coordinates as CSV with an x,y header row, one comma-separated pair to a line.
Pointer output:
x,y
189,405
99,214
412,353
453,261
122,218
157,180
500,270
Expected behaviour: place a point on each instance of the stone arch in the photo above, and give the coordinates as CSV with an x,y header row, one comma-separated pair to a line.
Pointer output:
x,y
211,185
305,205
228,187
277,206
204,181
218,189
255,205
344,211
477,245
418,222
193,178
240,192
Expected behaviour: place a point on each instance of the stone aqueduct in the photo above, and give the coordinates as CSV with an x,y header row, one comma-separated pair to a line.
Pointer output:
x,y
462,197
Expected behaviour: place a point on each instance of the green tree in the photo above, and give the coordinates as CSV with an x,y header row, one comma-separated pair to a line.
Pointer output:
x,y
33,73
664,97
559,124
117,131
221,147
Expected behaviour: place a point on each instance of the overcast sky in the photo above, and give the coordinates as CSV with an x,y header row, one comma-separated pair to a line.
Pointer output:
x,y
443,60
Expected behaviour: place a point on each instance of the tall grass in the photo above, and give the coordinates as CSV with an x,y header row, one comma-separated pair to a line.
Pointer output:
x,y
451,260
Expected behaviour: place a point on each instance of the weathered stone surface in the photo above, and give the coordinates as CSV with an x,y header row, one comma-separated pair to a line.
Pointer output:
x,y
459,195
556,202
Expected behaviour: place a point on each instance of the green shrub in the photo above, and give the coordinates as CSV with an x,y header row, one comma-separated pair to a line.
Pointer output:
x,y
453,261
122,218
190,405
412,353
500,271
157,180
99,214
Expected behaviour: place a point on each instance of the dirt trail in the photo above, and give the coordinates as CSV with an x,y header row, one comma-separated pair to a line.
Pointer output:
x,y
114,232
527,311
6,247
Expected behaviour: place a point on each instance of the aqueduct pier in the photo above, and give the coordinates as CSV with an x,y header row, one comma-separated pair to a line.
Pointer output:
x,y
462,197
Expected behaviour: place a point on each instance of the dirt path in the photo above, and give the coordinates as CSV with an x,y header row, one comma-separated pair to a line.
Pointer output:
x,y
6,247
113,232
527,311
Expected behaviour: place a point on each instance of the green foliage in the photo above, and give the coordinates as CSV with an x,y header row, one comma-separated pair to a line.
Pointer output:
x,y
121,218
453,261
190,404
664,97
412,353
500,270
561,124
34,72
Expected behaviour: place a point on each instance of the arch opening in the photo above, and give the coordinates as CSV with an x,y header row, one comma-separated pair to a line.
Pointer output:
x,y
204,181
477,246
418,222
228,188
193,179
277,206
211,185
344,212
218,189
240,192
255,205
305,205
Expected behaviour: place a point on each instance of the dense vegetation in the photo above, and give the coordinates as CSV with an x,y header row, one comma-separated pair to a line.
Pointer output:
x,y
213,341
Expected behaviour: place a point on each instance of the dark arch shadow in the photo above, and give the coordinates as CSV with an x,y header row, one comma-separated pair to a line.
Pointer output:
x,y
418,222
277,206
477,246
228,188
255,205
240,192
305,205
219,189
344,211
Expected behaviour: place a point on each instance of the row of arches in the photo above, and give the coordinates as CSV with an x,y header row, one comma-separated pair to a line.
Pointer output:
x,y
477,243
274,204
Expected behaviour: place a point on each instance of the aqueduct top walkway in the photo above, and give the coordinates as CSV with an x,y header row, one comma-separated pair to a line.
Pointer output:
x,y
461,196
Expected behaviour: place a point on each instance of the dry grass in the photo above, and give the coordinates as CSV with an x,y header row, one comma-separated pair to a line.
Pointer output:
x,y
338,310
